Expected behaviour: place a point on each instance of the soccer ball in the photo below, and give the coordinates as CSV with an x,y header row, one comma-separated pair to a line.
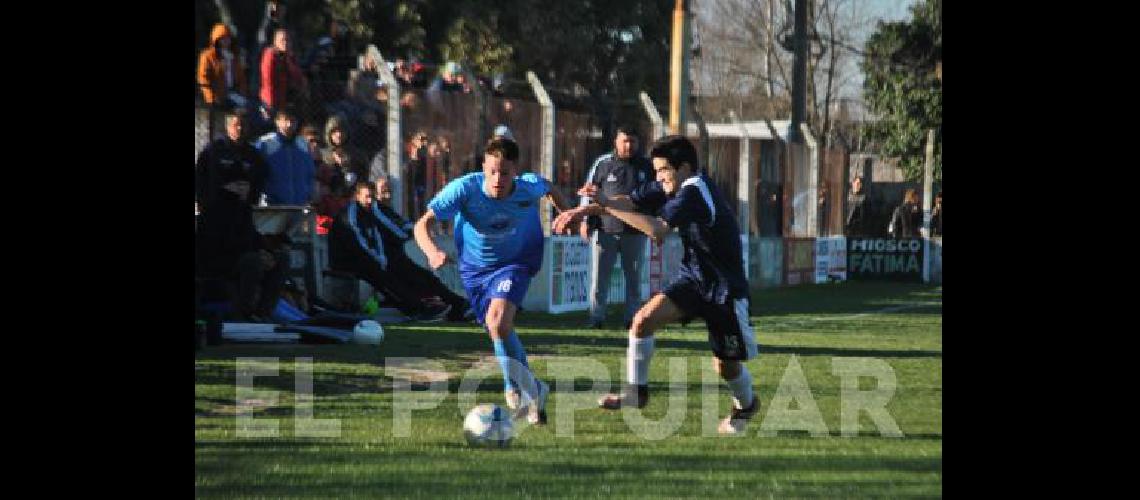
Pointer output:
x,y
368,332
488,425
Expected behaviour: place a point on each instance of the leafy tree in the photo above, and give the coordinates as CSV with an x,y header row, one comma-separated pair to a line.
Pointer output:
x,y
477,42
902,89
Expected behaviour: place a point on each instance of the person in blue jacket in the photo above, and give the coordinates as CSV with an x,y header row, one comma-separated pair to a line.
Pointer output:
x,y
292,175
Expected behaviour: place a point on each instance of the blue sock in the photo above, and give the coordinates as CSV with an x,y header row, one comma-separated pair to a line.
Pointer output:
x,y
515,349
504,363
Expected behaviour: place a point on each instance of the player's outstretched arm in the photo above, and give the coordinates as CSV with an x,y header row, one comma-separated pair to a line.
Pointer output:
x,y
655,227
436,257
556,197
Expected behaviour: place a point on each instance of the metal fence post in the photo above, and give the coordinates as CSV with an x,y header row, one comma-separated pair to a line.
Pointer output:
x,y
927,202
546,157
744,192
654,117
813,181
395,150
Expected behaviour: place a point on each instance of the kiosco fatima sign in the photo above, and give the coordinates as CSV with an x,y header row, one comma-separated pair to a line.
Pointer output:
x,y
884,259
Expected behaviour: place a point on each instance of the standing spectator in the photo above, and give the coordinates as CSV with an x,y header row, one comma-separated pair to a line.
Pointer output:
x,y
417,169
435,172
282,81
336,180
273,20
936,216
312,143
356,246
343,46
907,217
403,72
566,184
292,173
619,172
860,211
337,135
229,247
221,75
316,66
227,153
450,170
823,209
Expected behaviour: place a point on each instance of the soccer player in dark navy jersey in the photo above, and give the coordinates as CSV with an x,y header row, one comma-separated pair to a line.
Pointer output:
x,y
499,239
710,284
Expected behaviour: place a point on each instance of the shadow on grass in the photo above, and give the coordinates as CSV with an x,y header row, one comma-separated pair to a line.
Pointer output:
x,y
342,472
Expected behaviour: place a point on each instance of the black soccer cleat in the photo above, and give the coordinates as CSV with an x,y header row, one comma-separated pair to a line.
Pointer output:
x,y
738,419
634,395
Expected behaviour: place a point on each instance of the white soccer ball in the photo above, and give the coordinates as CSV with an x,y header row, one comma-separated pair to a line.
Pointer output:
x,y
488,425
368,332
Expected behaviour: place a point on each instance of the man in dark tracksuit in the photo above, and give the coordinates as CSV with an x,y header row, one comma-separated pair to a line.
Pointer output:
x,y
396,231
231,152
229,247
617,173
357,246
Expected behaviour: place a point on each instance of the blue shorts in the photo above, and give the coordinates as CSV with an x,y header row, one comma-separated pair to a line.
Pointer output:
x,y
508,282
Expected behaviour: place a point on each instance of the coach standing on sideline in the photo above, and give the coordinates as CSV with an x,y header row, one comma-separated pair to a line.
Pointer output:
x,y
616,173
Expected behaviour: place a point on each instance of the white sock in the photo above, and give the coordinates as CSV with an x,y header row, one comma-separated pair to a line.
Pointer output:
x,y
741,388
637,360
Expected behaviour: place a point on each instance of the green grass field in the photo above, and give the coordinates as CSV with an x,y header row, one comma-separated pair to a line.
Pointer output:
x,y
900,325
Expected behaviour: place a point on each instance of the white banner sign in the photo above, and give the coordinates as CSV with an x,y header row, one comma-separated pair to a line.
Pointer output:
x,y
570,274
830,259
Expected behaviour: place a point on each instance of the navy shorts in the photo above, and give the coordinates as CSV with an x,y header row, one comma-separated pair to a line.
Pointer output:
x,y
508,282
730,334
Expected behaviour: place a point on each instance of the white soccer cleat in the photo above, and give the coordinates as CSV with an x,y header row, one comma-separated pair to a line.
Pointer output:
x,y
536,413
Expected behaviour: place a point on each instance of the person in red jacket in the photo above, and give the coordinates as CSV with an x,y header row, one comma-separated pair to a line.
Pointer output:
x,y
282,81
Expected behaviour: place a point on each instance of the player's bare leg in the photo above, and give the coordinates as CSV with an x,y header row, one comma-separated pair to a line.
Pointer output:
x,y
654,315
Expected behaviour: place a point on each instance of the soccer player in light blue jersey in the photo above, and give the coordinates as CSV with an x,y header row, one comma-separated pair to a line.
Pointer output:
x,y
500,243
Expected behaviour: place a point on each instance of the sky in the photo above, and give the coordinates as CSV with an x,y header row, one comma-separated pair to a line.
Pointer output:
x,y
890,10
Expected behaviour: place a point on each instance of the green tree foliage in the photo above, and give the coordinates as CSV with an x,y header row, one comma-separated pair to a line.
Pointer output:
x,y
477,42
609,47
901,87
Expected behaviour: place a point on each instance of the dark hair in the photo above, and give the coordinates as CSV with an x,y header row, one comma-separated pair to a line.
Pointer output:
x,y
627,130
284,111
502,147
234,113
676,150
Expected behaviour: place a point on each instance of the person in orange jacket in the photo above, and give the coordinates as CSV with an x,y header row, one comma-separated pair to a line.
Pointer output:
x,y
221,74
